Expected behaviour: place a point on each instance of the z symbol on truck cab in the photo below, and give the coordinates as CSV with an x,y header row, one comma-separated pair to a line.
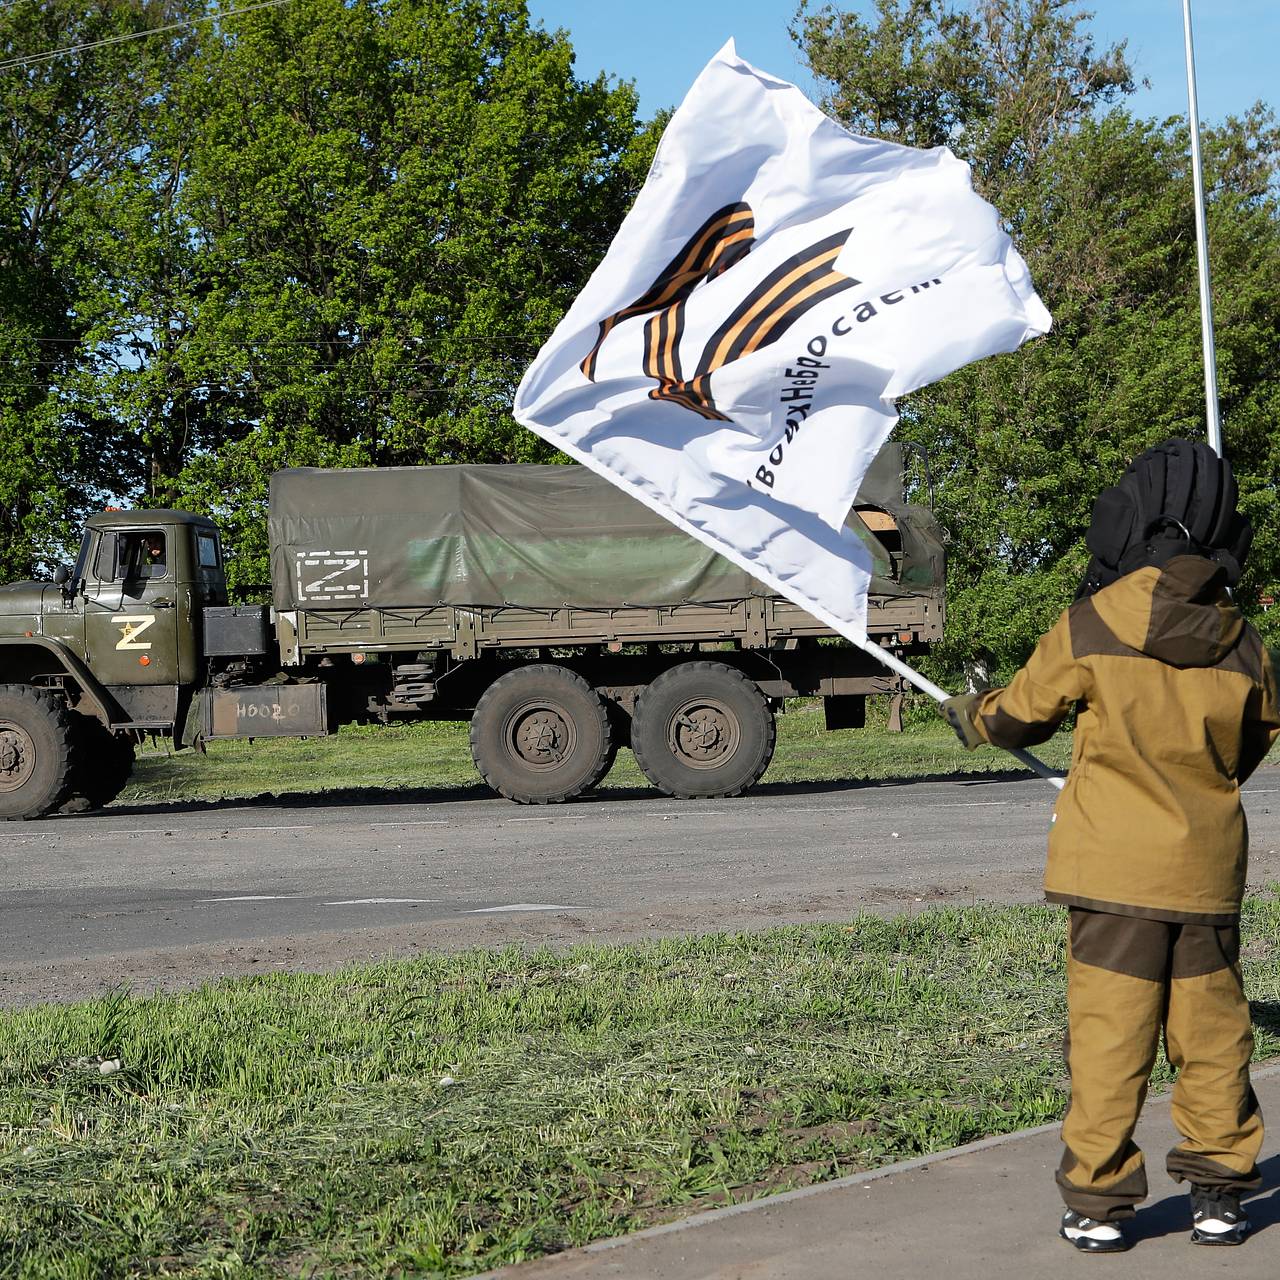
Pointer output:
x,y
131,627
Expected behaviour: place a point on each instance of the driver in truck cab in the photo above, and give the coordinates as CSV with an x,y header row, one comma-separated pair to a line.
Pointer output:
x,y
153,557
143,555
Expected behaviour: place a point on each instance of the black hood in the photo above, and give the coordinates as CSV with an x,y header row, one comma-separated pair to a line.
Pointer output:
x,y
1176,499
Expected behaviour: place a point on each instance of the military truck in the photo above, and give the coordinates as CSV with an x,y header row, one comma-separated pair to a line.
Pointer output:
x,y
558,615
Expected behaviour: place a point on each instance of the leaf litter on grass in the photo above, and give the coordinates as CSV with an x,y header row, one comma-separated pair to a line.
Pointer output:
x,y
300,1124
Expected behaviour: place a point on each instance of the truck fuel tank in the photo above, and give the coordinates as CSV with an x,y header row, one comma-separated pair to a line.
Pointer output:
x,y
266,711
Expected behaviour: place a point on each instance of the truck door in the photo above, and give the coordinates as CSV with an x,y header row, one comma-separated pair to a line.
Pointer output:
x,y
131,622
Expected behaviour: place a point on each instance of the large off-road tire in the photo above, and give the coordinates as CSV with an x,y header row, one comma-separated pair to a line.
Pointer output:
x,y
703,729
35,752
101,764
540,735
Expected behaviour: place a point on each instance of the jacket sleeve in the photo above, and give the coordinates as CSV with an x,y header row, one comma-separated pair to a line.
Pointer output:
x,y
1038,698
1262,721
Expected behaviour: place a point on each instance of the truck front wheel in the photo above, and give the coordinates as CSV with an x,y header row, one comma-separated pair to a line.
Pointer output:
x,y
540,735
100,766
703,729
35,752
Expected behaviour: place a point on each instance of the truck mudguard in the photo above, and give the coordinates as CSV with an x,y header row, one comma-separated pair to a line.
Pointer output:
x,y
96,699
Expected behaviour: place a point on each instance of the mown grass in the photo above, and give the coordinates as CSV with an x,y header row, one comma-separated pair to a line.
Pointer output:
x,y
443,1115
436,755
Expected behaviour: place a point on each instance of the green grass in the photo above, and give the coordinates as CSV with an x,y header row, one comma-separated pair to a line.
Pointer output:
x,y
302,1125
435,756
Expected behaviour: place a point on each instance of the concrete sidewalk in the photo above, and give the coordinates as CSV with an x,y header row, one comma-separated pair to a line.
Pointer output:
x,y
981,1212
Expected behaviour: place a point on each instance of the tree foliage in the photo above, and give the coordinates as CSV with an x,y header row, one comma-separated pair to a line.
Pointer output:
x,y
336,236
1100,203
72,125
334,232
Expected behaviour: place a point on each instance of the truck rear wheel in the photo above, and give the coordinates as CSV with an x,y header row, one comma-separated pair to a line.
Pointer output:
x,y
540,735
100,764
703,729
35,752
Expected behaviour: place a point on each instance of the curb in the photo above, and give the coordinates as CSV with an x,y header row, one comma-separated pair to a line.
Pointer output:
x,y
709,1216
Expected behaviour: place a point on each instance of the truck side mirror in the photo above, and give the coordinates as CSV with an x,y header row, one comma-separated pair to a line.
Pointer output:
x,y
104,562
61,576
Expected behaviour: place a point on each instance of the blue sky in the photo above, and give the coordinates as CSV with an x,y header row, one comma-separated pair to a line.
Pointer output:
x,y
662,44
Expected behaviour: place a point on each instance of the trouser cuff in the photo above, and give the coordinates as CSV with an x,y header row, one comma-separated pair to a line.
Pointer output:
x,y
1103,1206
1200,1171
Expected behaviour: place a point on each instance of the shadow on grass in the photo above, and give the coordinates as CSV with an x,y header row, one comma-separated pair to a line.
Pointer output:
x,y
374,796
1172,1215
1266,1014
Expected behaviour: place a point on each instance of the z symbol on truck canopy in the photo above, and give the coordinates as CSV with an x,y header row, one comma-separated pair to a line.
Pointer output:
x,y
325,576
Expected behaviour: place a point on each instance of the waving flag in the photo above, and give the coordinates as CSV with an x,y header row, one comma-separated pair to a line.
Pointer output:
x,y
734,360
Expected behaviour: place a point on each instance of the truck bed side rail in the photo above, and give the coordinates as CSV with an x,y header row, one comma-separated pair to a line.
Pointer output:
x,y
753,622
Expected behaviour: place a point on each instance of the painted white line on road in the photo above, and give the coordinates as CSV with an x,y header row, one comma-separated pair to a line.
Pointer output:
x,y
375,902
683,813
1261,791
96,831
602,812
414,822
522,906
969,804
817,808
305,826
256,897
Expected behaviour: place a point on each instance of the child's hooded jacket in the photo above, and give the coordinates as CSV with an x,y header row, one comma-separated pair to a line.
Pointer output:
x,y
1177,706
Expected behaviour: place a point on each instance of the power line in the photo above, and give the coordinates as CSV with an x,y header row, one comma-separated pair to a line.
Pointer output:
x,y
49,54
158,364
505,339
477,394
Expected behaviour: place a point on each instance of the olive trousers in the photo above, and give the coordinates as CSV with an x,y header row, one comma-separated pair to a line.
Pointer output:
x,y
1128,980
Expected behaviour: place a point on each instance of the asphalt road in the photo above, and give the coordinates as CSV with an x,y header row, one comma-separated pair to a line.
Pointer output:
x,y
169,895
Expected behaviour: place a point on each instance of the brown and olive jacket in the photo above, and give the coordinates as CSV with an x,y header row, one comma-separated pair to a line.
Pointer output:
x,y
1177,707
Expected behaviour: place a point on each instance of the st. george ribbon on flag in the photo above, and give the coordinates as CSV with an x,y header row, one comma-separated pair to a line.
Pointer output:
x,y
733,362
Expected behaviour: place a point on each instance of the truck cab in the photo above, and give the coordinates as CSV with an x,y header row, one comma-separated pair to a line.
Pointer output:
x,y
110,650
131,606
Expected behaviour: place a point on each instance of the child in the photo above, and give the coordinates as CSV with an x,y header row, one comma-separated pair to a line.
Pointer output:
x,y
1177,706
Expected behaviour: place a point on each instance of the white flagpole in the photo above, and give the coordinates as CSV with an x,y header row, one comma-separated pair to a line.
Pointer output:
x,y
894,663
1202,246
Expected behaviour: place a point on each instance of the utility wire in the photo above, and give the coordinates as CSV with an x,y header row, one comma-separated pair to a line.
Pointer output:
x,y
155,362
49,54
502,339
477,394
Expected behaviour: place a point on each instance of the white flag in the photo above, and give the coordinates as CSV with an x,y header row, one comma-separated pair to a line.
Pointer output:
x,y
733,361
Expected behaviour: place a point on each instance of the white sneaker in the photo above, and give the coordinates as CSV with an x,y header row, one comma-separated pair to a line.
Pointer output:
x,y
1091,1236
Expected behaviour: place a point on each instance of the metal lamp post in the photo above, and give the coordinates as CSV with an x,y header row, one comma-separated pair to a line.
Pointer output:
x,y
1202,247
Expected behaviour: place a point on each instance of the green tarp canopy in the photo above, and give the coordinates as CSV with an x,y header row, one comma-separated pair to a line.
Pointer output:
x,y
530,536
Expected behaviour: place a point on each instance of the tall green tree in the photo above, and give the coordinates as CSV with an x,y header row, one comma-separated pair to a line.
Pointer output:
x,y
1101,205
362,219
331,232
72,122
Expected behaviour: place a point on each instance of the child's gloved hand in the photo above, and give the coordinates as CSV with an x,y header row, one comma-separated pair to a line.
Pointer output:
x,y
958,713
